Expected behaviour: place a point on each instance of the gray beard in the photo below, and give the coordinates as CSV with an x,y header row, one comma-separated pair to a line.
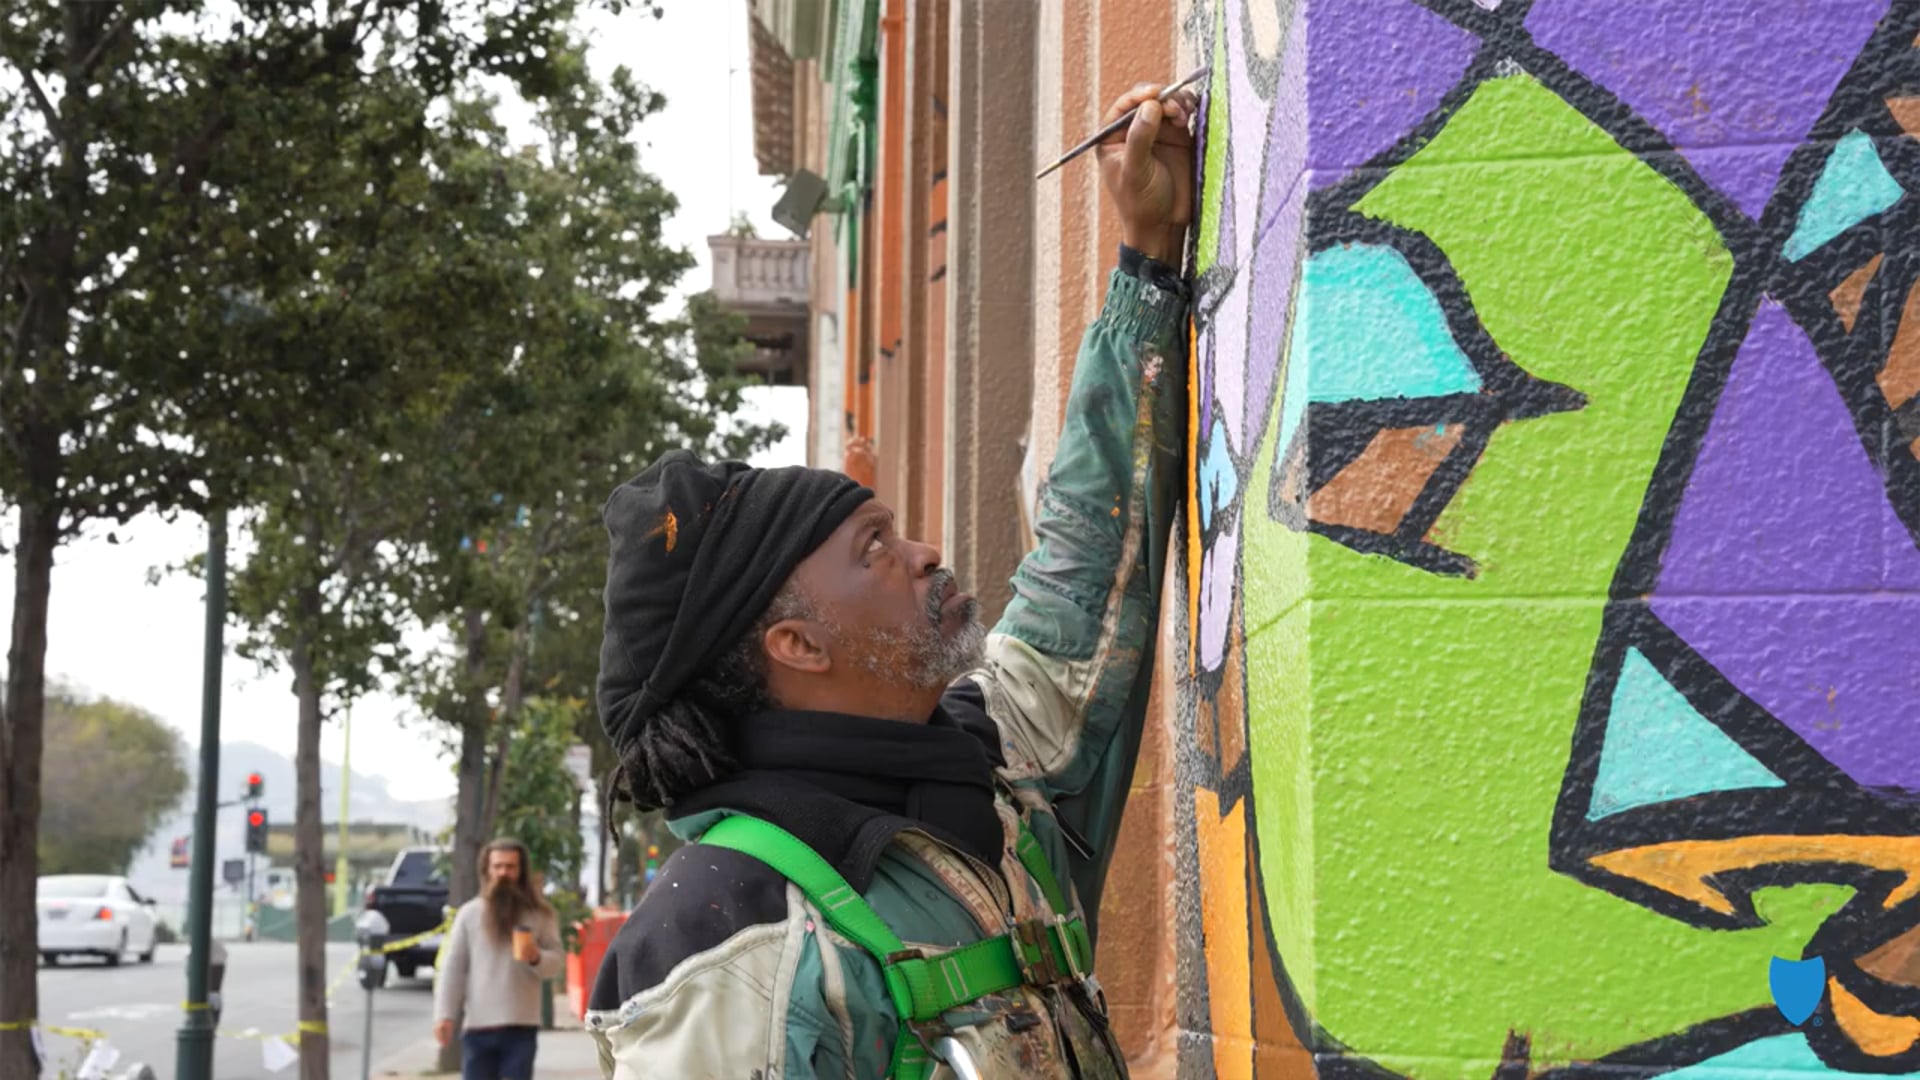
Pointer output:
x,y
931,659
923,656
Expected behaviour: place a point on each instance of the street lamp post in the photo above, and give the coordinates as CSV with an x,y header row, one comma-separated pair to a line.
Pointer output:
x,y
195,1051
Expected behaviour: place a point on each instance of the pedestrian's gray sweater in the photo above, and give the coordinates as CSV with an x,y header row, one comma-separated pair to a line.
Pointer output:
x,y
479,975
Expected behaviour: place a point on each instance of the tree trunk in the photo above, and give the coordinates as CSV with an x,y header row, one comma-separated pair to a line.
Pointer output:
x,y
40,341
511,695
470,793
310,900
471,778
22,735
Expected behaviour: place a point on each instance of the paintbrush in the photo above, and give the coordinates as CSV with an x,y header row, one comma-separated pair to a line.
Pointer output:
x,y
1119,125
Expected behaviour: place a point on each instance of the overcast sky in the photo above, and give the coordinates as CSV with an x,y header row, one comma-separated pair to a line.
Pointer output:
x,y
112,634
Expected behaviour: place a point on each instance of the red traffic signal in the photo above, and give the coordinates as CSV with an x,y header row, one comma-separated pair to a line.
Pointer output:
x,y
254,784
256,831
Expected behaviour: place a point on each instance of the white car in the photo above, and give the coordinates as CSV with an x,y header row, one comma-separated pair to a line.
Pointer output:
x,y
94,915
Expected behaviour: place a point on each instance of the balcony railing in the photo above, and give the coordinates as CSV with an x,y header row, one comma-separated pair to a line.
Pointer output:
x,y
753,273
765,281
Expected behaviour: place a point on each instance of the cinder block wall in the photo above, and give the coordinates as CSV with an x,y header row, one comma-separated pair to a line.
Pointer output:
x,y
1543,658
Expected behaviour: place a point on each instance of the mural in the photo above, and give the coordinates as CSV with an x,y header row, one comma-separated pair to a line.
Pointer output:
x,y
1549,614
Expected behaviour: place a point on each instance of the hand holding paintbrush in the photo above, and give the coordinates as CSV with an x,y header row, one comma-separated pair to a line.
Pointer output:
x,y
1116,123
1146,165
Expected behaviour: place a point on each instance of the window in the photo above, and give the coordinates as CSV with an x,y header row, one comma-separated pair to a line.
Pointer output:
x,y
73,887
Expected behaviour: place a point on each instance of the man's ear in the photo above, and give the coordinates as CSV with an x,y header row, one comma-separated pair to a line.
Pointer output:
x,y
798,645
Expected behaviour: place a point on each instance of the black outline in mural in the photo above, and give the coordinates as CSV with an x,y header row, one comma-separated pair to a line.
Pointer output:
x,y
1342,431
1816,795
1816,798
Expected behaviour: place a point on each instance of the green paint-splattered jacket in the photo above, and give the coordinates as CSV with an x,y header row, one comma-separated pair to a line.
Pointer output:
x,y
725,970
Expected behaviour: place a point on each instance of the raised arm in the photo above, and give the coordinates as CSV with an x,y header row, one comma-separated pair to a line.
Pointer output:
x,y
1069,665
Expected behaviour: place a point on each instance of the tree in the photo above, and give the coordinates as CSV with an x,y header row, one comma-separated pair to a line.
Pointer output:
x,y
112,772
602,385
509,366
540,800
415,291
148,153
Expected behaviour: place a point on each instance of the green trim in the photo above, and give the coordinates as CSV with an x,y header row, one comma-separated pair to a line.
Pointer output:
x,y
855,72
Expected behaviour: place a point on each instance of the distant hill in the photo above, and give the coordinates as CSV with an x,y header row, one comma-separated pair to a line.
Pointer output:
x,y
367,796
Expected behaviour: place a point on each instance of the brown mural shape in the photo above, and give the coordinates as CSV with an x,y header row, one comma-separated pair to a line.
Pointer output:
x,y
1900,379
1906,113
1377,489
1897,961
1847,296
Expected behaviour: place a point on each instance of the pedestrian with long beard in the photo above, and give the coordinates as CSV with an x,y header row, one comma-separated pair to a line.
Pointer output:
x,y
503,944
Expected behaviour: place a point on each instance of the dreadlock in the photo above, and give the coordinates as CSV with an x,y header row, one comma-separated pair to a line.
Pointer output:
x,y
683,746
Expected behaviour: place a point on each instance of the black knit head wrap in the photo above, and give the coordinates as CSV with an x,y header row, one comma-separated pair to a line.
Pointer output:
x,y
699,553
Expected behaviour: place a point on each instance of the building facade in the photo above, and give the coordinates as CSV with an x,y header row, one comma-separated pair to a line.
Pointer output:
x,y
1537,692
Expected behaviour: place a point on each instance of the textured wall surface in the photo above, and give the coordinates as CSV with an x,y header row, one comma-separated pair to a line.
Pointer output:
x,y
1547,641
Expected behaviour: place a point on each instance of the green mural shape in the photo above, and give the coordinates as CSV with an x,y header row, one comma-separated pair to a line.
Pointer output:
x,y
1407,758
1207,241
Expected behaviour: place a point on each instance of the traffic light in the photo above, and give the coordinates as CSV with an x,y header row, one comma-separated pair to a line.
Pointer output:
x,y
254,785
256,832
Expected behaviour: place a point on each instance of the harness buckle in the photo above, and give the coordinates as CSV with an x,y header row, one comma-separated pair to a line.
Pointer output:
x,y
1034,946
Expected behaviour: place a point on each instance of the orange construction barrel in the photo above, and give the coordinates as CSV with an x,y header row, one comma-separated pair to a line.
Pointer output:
x,y
597,932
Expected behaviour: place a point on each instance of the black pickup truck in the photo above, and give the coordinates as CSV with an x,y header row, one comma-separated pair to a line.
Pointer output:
x,y
413,901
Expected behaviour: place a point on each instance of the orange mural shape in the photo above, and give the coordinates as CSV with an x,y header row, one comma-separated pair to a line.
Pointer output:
x,y
1223,916
1685,868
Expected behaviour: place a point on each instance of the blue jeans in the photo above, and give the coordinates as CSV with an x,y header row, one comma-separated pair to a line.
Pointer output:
x,y
502,1053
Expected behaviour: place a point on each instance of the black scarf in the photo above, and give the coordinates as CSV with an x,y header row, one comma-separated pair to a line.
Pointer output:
x,y
845,785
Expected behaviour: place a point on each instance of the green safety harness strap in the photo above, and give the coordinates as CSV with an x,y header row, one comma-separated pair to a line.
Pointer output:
x,y
1036,952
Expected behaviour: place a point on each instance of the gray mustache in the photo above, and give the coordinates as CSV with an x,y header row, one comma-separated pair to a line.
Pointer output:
x,y
937,589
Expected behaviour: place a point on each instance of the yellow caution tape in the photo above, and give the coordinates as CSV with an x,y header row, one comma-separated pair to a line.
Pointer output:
x,y
305,1027
407,943
71,1033
340,979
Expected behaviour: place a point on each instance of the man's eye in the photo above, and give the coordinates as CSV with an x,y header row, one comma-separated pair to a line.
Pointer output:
x,y
874,544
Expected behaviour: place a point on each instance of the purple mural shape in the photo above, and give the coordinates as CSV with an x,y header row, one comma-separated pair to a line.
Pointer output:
x,y
1216,601
1378,68
1282,206
1734,85
1773,569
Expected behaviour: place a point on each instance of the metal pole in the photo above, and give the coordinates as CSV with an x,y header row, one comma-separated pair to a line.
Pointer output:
x,y
194,1055
366,1041
346,777
253,898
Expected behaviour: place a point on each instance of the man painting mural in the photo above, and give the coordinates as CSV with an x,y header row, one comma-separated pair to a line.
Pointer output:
x,y
901,821
503,944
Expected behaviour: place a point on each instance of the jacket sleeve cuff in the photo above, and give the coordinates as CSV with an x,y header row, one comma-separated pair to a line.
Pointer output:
x,y
1150,310
1161,276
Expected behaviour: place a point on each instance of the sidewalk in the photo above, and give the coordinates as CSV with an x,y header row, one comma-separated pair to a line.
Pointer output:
x,y
566,1053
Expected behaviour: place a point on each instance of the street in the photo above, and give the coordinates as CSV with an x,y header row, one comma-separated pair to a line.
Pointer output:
x,y
138,1008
